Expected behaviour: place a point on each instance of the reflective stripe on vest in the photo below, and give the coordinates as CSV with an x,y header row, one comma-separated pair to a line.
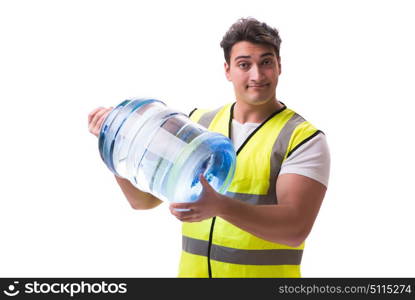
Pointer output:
x,y
207,118
229,251
242,256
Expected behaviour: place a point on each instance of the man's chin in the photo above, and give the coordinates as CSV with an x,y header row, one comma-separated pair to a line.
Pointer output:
x,y
258,101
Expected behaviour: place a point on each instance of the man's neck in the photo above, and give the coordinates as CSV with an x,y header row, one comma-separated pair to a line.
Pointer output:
x,y
247,113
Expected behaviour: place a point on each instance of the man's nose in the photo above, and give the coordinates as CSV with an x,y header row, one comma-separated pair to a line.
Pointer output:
x,y
256,73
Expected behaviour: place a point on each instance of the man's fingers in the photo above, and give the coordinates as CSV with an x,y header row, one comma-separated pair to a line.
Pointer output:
x,y
192,217
96,119
205,184
203,180
181,205
92,113
97,116
181,213
92,117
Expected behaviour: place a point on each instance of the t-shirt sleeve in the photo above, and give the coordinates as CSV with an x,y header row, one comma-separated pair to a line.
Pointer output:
x,y
312,159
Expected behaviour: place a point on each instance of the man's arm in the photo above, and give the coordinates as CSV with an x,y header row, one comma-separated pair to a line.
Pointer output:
x,y
136,198
289,222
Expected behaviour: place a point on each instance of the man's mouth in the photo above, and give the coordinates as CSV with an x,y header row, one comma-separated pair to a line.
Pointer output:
x,y
257,85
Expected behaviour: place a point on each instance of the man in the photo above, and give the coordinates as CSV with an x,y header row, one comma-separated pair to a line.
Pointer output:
x,y
258,228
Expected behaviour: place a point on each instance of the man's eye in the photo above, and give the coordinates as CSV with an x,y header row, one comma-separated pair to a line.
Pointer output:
x,y
243,65
266,62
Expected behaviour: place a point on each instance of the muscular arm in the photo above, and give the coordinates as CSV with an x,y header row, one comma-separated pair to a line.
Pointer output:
x,y
289,222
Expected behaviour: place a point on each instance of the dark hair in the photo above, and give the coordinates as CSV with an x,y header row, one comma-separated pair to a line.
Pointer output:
x,y
251,30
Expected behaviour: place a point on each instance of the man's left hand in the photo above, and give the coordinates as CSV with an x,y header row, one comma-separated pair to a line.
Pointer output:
x,y
209,205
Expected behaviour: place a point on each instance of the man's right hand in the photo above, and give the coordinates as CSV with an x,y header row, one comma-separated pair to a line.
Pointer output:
x,y
96,118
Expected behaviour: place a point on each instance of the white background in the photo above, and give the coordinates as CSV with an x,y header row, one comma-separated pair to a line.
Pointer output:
x,y
347,67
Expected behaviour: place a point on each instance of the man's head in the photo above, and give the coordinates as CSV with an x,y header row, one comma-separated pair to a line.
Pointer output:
x,y
250,30
251,51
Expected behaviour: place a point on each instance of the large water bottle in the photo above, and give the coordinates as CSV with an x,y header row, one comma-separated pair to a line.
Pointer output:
x,y
162,152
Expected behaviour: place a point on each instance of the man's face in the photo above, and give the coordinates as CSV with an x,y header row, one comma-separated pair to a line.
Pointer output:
x,y
253,71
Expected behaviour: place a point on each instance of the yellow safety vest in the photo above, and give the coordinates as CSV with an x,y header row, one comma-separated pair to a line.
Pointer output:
x,y
215,247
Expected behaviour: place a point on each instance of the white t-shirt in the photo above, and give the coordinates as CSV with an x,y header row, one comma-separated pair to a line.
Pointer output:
x,y
311,159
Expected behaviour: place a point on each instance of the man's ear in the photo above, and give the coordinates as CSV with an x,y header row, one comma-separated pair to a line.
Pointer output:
x,y
227,71
279,64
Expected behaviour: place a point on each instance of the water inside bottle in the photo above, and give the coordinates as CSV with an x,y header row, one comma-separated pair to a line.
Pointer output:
x,y
162,152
